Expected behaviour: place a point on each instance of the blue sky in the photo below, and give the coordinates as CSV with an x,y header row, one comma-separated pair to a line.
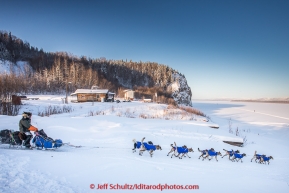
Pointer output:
x,y
226,49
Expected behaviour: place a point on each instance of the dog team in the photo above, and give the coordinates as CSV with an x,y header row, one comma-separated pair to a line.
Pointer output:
x,y
183,151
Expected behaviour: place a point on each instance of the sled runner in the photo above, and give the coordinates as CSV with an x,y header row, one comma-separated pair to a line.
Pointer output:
x,y
41,140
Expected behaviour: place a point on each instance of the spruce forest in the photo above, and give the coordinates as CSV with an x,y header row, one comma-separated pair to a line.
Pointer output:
x,y
48,73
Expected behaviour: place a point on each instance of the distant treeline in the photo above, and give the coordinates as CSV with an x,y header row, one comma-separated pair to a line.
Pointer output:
x,y
260,101
50,72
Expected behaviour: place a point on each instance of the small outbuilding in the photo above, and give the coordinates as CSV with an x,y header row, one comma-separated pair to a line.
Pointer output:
x,y
128,94
94,95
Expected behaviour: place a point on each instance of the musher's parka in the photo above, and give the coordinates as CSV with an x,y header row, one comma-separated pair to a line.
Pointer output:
x,y
24,124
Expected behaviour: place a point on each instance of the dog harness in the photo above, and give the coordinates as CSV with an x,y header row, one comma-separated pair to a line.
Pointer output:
x,y
266,158
238,155
212,153
231,153
149,147
182,150
138,144
258,156
204,152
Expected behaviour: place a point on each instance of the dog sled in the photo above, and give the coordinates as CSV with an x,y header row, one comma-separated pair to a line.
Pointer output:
x,y
42,141
15,140
10,137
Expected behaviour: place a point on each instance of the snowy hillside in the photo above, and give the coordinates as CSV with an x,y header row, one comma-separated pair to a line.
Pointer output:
x,y
106,130
7,66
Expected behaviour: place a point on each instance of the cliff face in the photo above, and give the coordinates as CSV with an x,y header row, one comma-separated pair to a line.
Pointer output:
x,y
181,92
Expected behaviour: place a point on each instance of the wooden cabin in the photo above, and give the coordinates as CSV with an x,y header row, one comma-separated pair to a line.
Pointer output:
x,y
94,95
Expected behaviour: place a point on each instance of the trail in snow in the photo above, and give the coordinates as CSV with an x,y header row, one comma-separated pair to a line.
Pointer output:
x,y
264,113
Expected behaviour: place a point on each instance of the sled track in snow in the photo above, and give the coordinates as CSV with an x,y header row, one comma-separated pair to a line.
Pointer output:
x,y
27,149
264,114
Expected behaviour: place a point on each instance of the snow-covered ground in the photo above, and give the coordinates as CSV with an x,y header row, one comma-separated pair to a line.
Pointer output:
x,y
106,130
